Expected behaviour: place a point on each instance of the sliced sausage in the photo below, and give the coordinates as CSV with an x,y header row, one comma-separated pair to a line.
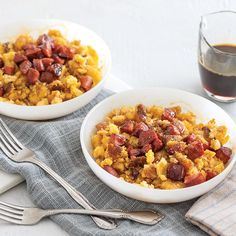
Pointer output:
x,y
175,172
25,66
86,82
147,137
57,59
224,154
141,112
64,51
1,91
157,144
114,150
44,38
168,114
118,140
134,173
29,46
172,130
190,138
192,180
210,174
139,127
32,76
38,65
111,171
195,150
146,148
179,125
127,127
9,70
18,58
138,161
46,77
46,49
33,53
134,151
47,61
55,69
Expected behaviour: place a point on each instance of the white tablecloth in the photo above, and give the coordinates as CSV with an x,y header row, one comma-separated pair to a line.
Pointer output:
x,y
153,43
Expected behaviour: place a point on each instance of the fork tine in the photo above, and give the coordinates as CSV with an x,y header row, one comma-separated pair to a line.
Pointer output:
x,y
7,145
5,151
8,139
12,206
11,210
11,134
8,219
14,216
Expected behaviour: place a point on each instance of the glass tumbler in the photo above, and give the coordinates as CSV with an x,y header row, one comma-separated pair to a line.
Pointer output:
x,y
217,55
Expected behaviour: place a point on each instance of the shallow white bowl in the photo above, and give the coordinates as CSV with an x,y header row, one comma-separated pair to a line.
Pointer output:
x,y
71,31
203,108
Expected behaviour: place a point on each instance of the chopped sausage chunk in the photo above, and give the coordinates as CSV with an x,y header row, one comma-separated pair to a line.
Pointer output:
x,y
32,76
127,127
18,58
224,154
175,172
194,179
139,127
1,91
25,66
118,140
147,137
111,171
195,150
168,114
38,65
47,77
86,82
9,70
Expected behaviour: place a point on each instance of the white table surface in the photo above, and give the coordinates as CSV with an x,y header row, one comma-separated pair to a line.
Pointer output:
x,y
153,43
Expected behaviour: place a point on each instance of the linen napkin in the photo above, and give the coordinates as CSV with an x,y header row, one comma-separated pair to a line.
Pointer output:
x,y
215,212
57,144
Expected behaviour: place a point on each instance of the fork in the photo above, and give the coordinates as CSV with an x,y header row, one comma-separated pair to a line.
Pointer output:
x,y
30,216
16,152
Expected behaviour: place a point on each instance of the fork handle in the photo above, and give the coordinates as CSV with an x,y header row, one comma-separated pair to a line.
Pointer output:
x,y
76,195
147,217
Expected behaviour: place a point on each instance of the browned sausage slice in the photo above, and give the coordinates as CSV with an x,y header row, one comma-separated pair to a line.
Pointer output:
x,y
175,172
192,180
25,66
18,58
86,82
32,76
9,70
38,65
224,154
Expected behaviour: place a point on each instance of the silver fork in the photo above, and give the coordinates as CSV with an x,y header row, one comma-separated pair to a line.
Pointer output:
x,y
15,151
29,216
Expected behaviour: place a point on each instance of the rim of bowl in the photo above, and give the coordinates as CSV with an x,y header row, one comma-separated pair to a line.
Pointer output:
x,y
104,76
136,186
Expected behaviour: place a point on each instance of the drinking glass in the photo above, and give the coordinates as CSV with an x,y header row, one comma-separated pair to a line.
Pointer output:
x,y
217,55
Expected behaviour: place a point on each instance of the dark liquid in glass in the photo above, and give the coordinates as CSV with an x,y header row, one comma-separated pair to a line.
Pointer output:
x,y
218,72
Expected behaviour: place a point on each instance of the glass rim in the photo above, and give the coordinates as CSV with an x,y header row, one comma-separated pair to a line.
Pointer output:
x,y
204,38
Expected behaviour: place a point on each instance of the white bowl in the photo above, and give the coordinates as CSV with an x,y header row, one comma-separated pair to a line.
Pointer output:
x,y
71,31
203,108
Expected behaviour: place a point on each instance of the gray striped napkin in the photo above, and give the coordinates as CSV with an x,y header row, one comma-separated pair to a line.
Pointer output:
x,y
215,212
